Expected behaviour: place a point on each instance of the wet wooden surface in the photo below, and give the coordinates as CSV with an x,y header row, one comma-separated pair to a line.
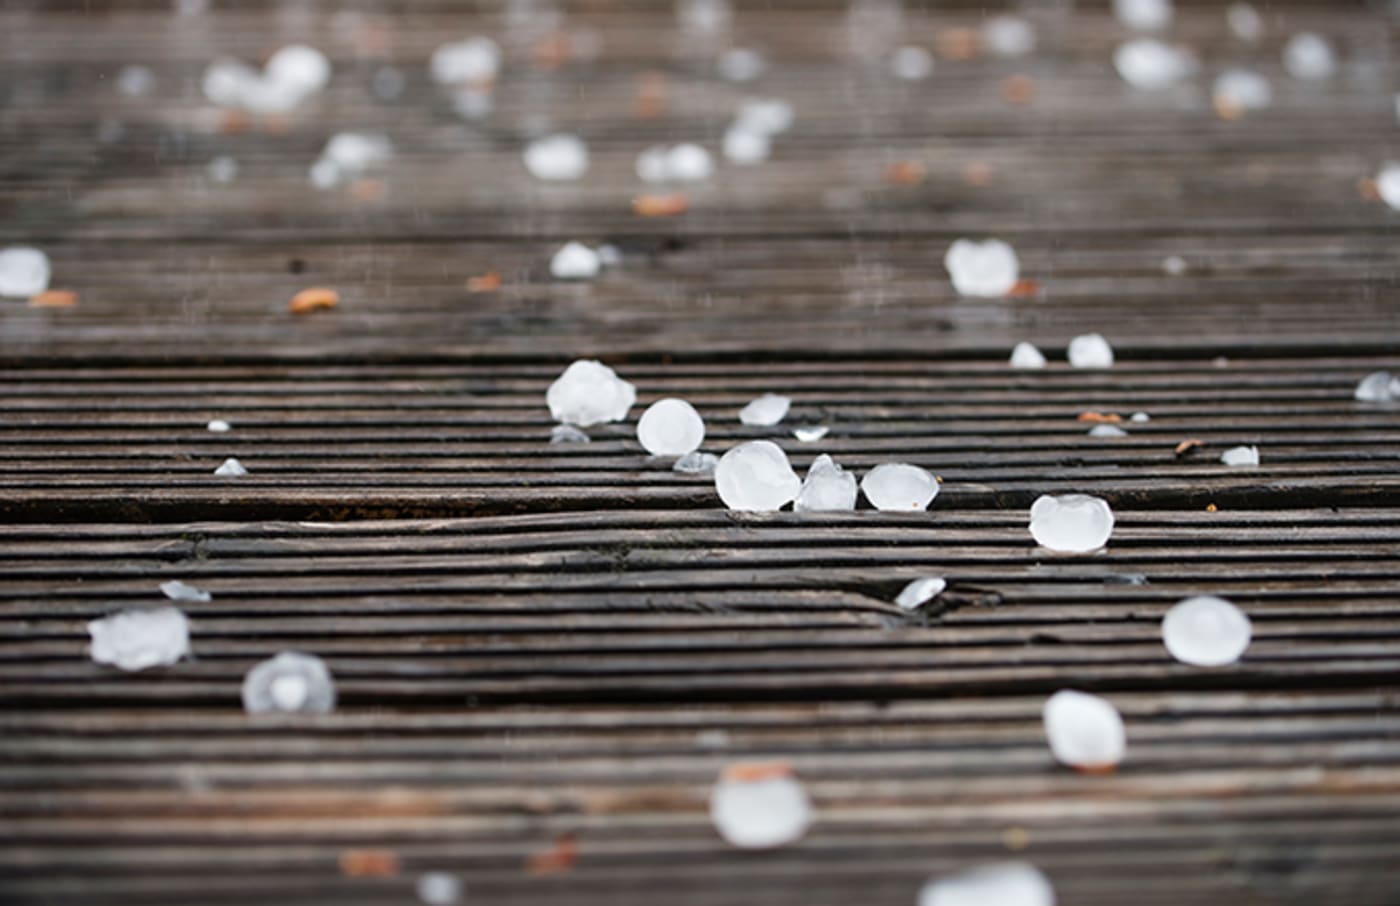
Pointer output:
x,y
533,640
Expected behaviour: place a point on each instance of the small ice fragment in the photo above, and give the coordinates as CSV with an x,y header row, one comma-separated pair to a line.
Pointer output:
x,y
589,393
568,434
996,884
670,427
24,272
1206,631
1308,57
355,152
387,83
769,116
920,591
1140,417
176,590
1388,185
299,68
473,61
1242,89
575,261
609,255
756,476
1071,523
704,16
438,888
1008,36
291,682
324,174
219,426
1378,387
810,433
828,488
746,147
1174,265
911,63
1245,21
651,164
1240,456
759,806
899,487
696,463
231,468
1107,431
135,81
137,639
1090,350
679,163
226,81
741,64
1084,731
472,103
766,410
983,269
222,169
557,158
1025,355
1143,15
1148,64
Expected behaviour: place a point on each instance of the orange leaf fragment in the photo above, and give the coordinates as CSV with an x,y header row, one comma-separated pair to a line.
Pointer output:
x,y
559,858
978,174
1017,89
958,43
1096,769
1101,418
754,771
905,173
488,282
1212,508
1186,446
54,298
313,299
552,52
668,205
369,863
367,190
1227,109
650,100
233,121
1367,189
1024,288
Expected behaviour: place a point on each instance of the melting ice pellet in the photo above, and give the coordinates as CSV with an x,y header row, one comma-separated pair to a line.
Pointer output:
x,y
1240,457
766,410
996,884
1084,731
1071,523
986,269
138,639
1143,15
1151,65
1026,356
756,477
1308,57
176,590
575,261
1206,631
759,806
589,393
24,272
670,427
696,463
231,468
557,158
827,488
290,683
920,591
568,434
899,487
1090,350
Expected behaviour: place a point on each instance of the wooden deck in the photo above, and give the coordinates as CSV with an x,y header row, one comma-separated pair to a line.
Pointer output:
x,y
533,641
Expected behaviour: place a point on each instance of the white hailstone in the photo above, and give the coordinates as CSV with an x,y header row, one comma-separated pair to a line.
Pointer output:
x,y
899,487
740,64
218,426
1149,64
1378,387
299,68
1240,456
1245,21
267,97
355,152
568,434
766,410
810,433
135,81
227,81
986,270
222,169
589,393
652,165
610,255
290,683
996,884
670,427
1090,350
575,261
679,163
920,591
231,468
756,476
324,174
759,812
387,83
1008,36
1084,731
176,590
1143,15
769,116
1308,57
557,158
1107,431
473,103
1206,631
1025,355
438,888
828,488
1388,185
704,16
470,61
24,272
911,63
696,463
1243,89
745,147
1174,265
137,639
1071,523
1140,417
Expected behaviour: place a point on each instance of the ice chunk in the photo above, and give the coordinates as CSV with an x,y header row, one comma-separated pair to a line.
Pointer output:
x,y
746,147
438,888
219,426
1240,456
589,393
1025,355
766,410
1149,64
678,163
1071,523
1084,731
290,683
920,591
24,272
1174,265
756,806
1143,15
911,63
1140,417
1378,387
756,476
299,68
135,81
1388,185
176,590
670,427
1242,90
704,16
1206,631
568,434
473,61
996,884
137,639
828,488
226,81
1308,56
231,468
1008,36
355,152
324,174
769,116
1245,21
984,269
222,169
1107,431
696,463
740,64
1090,350
557,158
810,433
899,487
575,261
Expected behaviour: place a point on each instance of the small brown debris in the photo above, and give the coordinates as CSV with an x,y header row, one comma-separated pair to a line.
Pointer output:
x,y
1016,838
232,122
367,190
552,52
1096,770
1101,418
905,173
54,298
668,205
958,43
1025,288
1227,109
1187,446
1368,190
978,174
754,771
1018,89
650,99
313,299
488,282
275,124
1211,508
559,858
369,863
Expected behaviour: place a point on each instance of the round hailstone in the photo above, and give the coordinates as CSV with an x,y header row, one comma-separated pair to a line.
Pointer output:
x,y
1245,21
689,162
1206,631
227,81
223,169
290,683
746,147
470,61
575,261
24,272
1143,15
176,590
899,487
438,888
1150,65
589,393
670,427
1008,36
557,158
769,116
652,164
987,269
1090,350
355,152
1107,431
828,488
759,806
810,433
920,591
1071,523
1025,355
1308,57
1388,185
1084,731
1174,265
704,16
1243,89
1140,417
137,639
757,477
765,411
218,426
1378,387
997,884
696,463
741,64
135,81
911,63
1241,457
231,468
300,68
270,98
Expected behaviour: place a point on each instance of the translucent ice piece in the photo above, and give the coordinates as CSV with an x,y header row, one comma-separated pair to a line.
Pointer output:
x,y
920,591
589,393
1206,631
756,476
828,488
768,409
137,639
1071,523
983,269
759,807
291,682
1084,731
670,427
899,487
997,884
